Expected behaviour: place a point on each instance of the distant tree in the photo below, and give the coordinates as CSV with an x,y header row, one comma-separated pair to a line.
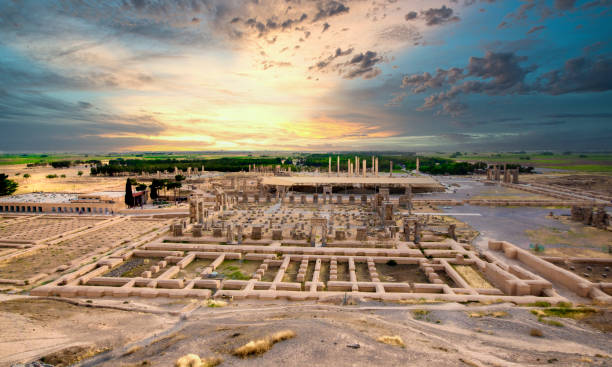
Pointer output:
x,y
155,186
63,176
179,178
51,176
7,187
129,197
60,164
26,176
80,173
174,186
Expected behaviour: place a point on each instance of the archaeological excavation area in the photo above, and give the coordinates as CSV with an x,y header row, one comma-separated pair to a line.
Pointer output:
x,y
315,248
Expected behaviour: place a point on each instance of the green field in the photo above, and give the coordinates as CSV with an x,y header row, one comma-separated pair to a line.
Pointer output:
x,y
579,162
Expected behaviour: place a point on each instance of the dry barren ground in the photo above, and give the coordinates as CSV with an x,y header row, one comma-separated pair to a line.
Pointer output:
x,y
325,334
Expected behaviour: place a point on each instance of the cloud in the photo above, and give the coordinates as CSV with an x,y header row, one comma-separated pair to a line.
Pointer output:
x,y
434,16
329,9
362,65
411,15
493,74
502,73
580,115
327,61
564,4
578,75
535,29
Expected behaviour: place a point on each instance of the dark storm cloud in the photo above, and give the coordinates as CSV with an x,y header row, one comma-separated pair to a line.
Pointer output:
x,y
493,74
39,107
504,74
580,74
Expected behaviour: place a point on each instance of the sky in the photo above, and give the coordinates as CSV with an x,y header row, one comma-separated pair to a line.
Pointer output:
x,y
305,75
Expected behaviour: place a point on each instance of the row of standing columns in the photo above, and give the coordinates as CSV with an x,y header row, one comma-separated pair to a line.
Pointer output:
x,y
353,167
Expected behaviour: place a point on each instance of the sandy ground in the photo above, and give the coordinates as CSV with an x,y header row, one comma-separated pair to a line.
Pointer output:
x,y
71,183
438,334
596,183
30,329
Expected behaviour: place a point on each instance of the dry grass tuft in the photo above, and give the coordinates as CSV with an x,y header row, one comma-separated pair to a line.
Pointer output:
x,y
260,346
193,360
497,314
536,332
392,340
132,350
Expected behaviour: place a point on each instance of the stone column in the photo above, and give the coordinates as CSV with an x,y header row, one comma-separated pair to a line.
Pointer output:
x,y
363,171
418,165
338,170
376,166
200,212
329,169
451,231
356,166
390,168
372,165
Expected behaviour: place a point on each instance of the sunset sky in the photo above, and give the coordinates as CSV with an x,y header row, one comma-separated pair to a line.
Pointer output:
x,y
412,75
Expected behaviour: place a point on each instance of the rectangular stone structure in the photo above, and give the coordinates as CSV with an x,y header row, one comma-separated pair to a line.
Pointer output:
x,y
256,233
277,234
362,234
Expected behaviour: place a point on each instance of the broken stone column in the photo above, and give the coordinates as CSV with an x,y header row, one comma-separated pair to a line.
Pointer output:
x,y
192,210
515,176
407,231
200,212
451,231
364,199
177,230
196,230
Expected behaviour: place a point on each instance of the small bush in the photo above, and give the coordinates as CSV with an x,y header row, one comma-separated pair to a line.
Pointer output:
x,y
536,333
52,176
215,303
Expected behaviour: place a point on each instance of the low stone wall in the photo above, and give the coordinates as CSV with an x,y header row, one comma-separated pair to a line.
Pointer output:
x,y
555,274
